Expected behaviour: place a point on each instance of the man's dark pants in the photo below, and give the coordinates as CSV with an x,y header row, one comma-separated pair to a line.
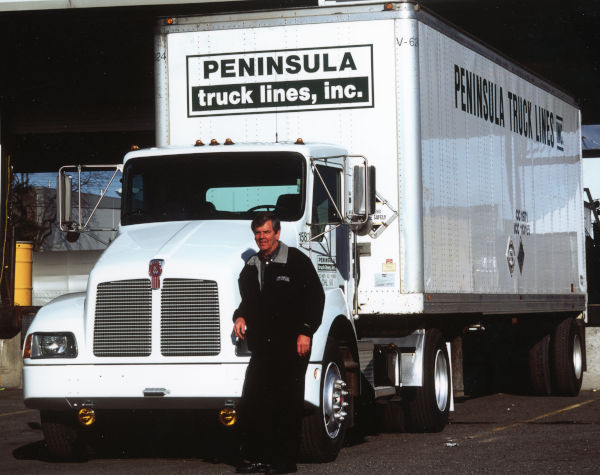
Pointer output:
x,y
272,405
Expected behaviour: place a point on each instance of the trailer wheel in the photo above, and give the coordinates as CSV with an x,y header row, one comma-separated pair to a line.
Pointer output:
x,y
428,406
62,435
323,431
539,367
567,355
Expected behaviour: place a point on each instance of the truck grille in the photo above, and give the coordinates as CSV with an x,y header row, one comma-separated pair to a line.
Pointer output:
x,y
190,318
123,323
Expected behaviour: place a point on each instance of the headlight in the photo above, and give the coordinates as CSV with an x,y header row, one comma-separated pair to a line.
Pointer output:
x,y
50,345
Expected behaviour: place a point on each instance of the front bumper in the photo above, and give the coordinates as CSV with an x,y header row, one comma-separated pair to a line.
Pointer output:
x,y
153,386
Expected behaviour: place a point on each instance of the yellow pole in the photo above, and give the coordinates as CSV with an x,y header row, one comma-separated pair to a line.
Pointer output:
x,y
23,273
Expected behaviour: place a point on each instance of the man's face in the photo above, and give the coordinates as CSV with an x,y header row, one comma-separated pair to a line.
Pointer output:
x,y
266,239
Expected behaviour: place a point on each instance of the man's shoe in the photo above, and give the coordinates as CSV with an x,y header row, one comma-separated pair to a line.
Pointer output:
x,y
252,467
288,468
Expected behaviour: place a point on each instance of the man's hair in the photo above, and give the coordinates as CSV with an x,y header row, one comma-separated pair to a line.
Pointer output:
x,y
264,216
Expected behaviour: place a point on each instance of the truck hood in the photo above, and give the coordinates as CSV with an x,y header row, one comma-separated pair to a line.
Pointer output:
x,y
188,249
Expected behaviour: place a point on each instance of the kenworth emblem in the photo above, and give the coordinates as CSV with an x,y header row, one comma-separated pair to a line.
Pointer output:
x,y
155,271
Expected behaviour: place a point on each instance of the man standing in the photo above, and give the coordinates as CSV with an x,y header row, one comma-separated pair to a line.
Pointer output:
x,y
281,308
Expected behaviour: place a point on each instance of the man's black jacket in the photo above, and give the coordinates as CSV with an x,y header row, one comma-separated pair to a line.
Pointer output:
x,y
289,304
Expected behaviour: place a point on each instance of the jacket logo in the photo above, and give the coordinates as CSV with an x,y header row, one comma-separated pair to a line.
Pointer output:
x,y
154,271
282,278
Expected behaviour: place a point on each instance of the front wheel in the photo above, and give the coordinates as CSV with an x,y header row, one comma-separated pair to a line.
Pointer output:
x,y
428,406
62,435
323,432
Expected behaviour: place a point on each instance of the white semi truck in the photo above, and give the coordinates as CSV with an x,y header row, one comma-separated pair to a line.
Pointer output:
x,y
475,217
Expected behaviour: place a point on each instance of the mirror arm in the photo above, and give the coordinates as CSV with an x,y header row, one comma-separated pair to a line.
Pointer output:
x,y
100,199
315,169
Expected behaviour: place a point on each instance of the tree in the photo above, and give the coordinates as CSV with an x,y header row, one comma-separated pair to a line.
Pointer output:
x,y
32,210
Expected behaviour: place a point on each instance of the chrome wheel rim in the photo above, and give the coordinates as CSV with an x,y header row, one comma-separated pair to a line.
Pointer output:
x,y
577,356
334,403
441,380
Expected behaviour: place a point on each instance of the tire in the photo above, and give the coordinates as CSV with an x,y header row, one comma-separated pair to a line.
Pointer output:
x,y
323,431
567,356
540,375
391,417
62,435
428,406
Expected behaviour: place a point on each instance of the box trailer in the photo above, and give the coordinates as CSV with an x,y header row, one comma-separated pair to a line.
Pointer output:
x,y
434,183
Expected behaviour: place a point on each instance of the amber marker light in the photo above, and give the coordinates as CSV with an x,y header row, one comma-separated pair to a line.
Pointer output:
x,y
27,346
214,142
134,148
388,6
170,21
228,416
228,142
299,141
199,143
316,373
86,416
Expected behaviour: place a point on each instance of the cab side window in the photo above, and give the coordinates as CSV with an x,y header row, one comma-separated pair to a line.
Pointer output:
x,y
323,208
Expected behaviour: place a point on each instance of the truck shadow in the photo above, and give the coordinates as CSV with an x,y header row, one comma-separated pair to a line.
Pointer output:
x,y
153,435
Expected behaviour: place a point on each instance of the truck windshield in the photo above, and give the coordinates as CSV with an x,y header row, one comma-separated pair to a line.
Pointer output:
x,y
213,186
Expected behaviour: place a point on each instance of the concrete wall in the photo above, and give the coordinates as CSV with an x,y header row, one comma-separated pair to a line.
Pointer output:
x,y
591,378
11,363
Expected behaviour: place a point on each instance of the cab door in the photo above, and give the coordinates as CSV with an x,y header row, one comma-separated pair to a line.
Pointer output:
x,y
329,236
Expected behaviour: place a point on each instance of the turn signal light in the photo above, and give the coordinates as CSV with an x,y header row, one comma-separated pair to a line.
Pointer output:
x,y
27,346
86,416
228,416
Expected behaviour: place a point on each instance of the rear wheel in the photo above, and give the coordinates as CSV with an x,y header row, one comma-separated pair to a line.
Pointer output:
x,y
428,406
62,435
567,355
391,416
539,367
323,432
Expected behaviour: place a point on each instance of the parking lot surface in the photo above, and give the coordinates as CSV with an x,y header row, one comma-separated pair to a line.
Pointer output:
x,y
500,433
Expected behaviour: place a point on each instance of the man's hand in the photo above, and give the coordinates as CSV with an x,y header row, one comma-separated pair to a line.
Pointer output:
x,y
303,345
239,327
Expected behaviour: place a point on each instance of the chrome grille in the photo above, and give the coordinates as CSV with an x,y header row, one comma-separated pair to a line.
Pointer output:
x,y
123,323
190,318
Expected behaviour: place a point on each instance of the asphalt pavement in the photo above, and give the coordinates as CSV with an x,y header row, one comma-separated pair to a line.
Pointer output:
x,y
499,433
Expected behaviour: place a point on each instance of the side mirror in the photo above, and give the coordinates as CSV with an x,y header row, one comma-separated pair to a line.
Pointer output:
x,y
63,207
363,192
86,203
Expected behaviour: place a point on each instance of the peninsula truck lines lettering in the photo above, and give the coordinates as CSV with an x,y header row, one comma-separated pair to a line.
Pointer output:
x,y
488,100
283,80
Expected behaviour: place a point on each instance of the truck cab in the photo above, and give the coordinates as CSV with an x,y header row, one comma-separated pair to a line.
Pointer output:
x,y
154,329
